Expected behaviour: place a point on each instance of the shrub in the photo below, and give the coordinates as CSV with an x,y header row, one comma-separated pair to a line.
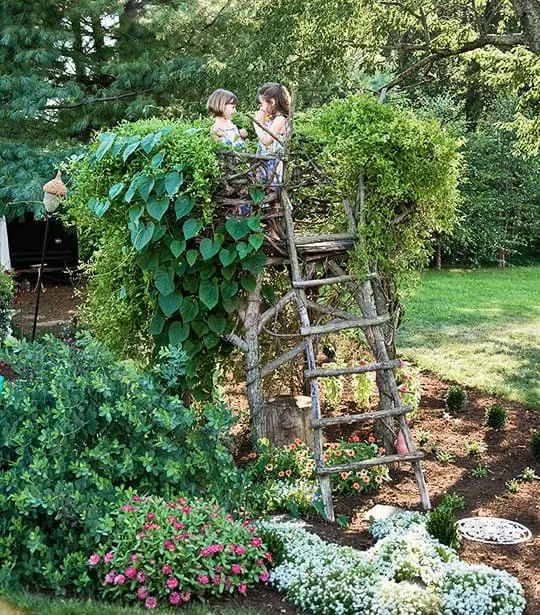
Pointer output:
x,y
496,416
441,522
408,383
455,399
170,551
7,294
535,445
332,388
78,431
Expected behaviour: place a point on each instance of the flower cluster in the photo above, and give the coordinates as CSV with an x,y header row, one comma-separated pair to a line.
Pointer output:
x,y
170,551
352,481
300,497
398,524
403,574
285,463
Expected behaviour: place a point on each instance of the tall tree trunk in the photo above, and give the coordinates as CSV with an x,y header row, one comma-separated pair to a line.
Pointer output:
x,y
528,14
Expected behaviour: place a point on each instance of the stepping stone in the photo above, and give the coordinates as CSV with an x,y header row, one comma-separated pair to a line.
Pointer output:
x,y
380,512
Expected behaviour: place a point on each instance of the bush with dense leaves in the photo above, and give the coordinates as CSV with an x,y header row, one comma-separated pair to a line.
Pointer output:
x,y
79,430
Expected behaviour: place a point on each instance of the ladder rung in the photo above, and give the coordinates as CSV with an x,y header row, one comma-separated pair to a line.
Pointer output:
x,y
368,463
335,280
345,324
357,369
301,240
357,418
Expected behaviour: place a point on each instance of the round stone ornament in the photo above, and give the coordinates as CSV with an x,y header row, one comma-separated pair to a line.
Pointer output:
x,y
493,530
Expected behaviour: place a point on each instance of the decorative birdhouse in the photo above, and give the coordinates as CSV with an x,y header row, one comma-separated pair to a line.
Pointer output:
x,y
53,192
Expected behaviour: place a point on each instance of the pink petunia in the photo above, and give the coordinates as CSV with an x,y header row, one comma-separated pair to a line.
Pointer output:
x,y
166,569
94,559
141,535
172,582
268,556
150,516
264,576
150,603
130,572
119,579
242,588
108,557
216,579
141,577
239,550
255,542
109,577
174,598
203,579
186,510
128,508
236,569
185,596
134,557
136,498
142,592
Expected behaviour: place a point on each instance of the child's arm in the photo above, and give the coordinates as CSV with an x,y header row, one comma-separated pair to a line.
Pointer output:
x,y
277,127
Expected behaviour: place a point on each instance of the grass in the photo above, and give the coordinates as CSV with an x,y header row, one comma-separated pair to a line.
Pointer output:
x,y
479,328
28,604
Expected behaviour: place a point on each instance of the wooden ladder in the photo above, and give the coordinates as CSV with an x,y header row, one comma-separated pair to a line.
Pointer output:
x,y
301,280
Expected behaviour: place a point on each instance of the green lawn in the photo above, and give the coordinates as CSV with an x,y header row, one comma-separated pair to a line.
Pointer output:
x,y
480,328
23,604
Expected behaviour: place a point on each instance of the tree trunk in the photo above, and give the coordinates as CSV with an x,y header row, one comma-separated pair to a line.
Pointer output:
x,y
502,258
528,15
438,257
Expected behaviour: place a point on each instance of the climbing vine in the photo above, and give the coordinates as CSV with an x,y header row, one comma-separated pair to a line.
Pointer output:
x,y
153,190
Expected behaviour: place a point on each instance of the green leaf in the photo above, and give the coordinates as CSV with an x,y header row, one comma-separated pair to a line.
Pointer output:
x,y
254,263
173,181
256,194
189,309
243,249
248,283
115,190
190,283
170,303
159,231
217,323
200,327
135,212
164,279
229,288
156,207
106,140
147,142
269,293
191,257
228,272
177,247
230,305
191,227
209,293
148,261
207,270
156,324
211,340
183,205
144,186
157,159
141,234
178,332
209,248
227,257
130,192
98,206
254,223
237,228
256,240
130,149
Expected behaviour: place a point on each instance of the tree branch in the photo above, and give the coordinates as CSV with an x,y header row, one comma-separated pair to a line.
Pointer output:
x,y
90,101
271,312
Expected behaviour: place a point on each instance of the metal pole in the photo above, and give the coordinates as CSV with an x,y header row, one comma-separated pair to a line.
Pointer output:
x,y
40,272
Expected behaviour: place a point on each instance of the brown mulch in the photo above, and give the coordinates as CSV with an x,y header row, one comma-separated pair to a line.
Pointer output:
x,y
507,455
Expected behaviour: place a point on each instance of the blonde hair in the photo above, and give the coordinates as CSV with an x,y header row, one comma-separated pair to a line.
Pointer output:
x,y
217,101
278,93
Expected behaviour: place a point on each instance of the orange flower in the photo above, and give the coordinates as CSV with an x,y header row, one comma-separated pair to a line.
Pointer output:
x,y
281,473
375,468
350,452
292,446
354,438
298,456
337,453
288,472
344,475
378,480
298,441
365,479
371,439
326,456
356,486
382,450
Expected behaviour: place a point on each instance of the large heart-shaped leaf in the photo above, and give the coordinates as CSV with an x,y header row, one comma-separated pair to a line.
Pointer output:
x,y
157,159
254,263
135,212
130,192
183,205
141,234
210,340
106,140
173,181
98,206
164,279
170,303
130,149
115,190
144,186
156,324
257,195
249,283
189,309
147,142
227,257
190,283
237,228
209,248
178,332
254,223
159,231
156,207
243,249
191,257
229,288
217,323
209,293
199,327
256,240
191,227
177,247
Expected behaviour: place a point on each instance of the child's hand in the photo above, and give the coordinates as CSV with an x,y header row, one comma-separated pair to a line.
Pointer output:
x,y
260,116
243,133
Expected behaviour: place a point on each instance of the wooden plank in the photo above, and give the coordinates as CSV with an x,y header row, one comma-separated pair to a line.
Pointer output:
x,y
344,324
301,240
357,418
331,311
369,463
357,369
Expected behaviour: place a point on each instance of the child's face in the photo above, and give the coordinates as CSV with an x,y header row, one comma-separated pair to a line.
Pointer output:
x,y
230,110
267,105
